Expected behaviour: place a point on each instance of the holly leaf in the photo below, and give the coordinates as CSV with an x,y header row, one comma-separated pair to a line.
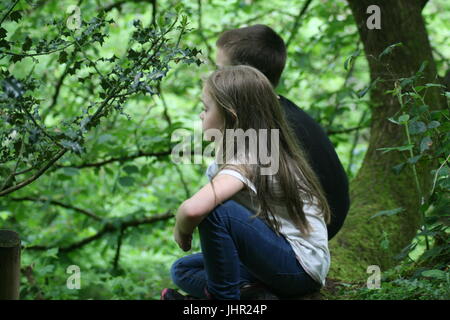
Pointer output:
x,y
15,16
62,57
3,33
27,44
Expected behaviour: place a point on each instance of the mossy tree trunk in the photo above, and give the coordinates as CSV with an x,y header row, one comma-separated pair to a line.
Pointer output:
x,y
376,187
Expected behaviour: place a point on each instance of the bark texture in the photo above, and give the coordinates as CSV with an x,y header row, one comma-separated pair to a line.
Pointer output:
x,y
376,187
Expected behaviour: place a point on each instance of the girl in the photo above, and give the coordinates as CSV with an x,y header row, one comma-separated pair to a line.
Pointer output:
x,y
254,228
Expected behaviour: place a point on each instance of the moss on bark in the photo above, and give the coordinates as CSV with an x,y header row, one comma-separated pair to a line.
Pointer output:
x,y
377,187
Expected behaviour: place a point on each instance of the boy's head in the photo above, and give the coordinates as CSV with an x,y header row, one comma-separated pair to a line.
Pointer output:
x,y
258,46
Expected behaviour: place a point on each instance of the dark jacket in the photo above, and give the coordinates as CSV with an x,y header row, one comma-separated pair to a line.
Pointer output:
x,y
323,160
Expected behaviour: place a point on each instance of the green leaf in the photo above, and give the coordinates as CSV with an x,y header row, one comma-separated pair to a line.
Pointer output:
x,y
62,57
70,172
401,148
350,60
393,120
126,181
405,251
438,274
398,168
27,44
13,88
15,15
130,169
405,82
423,66
433,124
389,49
387,212
416,127
425,144
51,253
105,138
47,269
403,118
74,146
4,44
414,159
3,33
428,85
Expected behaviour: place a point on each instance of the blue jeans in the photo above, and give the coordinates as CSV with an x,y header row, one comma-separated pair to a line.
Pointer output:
x,y
236,250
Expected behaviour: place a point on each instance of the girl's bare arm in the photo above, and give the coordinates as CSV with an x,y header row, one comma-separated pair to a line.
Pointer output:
x,y
195,209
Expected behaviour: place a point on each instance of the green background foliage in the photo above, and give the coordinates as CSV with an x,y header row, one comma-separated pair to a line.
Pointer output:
x,y
117,169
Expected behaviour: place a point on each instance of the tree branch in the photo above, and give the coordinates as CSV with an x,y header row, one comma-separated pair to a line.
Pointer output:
x,y
28,272
118,5
200,32
35,176
118,159
297,22
63,205
119,246
56,93
107,229
8,12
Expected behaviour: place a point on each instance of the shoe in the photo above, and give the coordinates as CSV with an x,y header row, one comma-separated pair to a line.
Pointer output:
x,y
256,291
172,294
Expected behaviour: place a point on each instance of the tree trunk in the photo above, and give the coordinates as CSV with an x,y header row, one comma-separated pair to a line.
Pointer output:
x,y
376,187
9,265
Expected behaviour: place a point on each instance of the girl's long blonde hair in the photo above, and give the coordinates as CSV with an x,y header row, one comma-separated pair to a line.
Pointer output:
x,y
246,100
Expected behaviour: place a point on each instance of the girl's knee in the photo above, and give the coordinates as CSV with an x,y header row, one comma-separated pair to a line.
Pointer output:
x,y
225,209
176,270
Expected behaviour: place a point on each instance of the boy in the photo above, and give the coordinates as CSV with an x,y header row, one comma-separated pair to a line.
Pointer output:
x,y
260,47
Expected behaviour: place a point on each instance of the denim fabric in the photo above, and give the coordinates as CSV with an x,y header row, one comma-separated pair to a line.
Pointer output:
x,y
238,249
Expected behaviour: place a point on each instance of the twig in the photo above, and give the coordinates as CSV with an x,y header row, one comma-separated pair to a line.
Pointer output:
x,y
35,176
436,174
118,5
58,203
118,159
56,93
41,129
200,31
28,272
165,112
297,22
13,172
8,12
106,229
186,188
36,54
119,245
355,142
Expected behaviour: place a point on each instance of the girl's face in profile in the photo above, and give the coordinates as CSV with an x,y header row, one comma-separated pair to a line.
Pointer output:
x,y
210,115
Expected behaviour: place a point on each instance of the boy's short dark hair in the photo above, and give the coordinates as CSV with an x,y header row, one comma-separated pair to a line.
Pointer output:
x,y
258,46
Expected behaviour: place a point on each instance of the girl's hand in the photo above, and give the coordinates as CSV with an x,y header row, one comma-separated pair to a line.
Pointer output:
x,y
184,240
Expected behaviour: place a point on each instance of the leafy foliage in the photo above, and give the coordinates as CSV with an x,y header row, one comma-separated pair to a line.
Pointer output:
x,y
89,99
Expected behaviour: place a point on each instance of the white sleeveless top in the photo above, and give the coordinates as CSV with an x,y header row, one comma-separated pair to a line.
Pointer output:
x,y
312,250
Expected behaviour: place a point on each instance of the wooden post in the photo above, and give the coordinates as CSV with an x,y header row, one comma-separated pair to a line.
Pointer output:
x,y
9,265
